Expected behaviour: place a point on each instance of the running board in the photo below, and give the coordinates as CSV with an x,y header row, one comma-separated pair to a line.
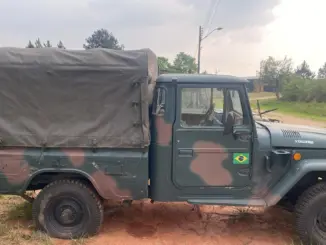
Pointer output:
x,y
229,202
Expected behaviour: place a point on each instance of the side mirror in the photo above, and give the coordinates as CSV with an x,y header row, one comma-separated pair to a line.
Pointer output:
x,y
230,121
160,109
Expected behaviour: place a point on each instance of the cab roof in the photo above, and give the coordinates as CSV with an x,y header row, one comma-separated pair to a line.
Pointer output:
x,y
204,78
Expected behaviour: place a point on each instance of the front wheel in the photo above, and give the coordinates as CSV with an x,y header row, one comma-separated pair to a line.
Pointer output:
x,y
311,215
68,209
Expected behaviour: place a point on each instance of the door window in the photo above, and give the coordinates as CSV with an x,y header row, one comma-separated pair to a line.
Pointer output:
x,y
208,107
236,106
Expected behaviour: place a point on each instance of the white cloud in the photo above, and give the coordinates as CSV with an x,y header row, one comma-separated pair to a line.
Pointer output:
x,y
298,32
252,30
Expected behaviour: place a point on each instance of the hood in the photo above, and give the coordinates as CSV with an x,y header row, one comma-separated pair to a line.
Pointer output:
x,y
295,136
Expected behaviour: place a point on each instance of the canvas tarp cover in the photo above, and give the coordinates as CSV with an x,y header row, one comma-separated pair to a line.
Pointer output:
x,y
65,98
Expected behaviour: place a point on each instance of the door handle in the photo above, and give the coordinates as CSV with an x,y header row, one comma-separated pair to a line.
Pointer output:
x,y
243,135
185,152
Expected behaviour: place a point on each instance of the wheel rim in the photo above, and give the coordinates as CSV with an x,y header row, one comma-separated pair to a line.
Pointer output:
x,y
320,222
66,213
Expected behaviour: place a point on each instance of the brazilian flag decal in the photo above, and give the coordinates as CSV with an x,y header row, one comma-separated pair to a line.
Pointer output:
x,y
240,158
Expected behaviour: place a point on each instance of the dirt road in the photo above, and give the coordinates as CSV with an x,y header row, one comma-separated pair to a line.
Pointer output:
x,y
175,223
289,119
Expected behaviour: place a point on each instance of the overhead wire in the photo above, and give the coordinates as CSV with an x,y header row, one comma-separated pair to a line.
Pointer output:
x,y
208,16
215,7
209,13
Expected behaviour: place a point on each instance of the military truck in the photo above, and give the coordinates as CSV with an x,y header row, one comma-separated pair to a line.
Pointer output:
x,y
85,127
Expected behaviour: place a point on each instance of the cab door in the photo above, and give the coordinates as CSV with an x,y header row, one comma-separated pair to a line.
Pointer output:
x,y
205,157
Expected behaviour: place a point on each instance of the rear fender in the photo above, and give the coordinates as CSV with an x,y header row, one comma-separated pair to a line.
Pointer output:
x,y
102,184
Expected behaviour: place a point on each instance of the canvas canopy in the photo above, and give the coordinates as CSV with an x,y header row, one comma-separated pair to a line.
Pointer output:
x,y
53,97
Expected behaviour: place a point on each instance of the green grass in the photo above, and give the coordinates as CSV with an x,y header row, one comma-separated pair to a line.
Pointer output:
x,y
16,226
22,211
261,95
314,111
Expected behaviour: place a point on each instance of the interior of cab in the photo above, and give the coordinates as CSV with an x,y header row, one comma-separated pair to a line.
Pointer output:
x,y
211,109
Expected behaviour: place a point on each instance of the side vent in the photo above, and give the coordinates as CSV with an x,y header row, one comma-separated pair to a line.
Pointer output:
x,y
290,133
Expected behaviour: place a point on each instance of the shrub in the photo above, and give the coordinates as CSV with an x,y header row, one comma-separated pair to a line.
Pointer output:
x,y
305,90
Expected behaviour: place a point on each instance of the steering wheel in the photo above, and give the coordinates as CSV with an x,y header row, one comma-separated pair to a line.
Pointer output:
x,y
208,114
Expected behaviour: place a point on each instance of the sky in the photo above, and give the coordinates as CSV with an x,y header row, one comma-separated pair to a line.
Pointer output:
x,y
252,29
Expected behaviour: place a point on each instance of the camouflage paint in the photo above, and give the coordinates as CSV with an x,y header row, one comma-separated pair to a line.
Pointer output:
x,y
116,174
207,171
76,157
211,164
17,165
208,163
14,167
108,188
205,176
161,186
164,131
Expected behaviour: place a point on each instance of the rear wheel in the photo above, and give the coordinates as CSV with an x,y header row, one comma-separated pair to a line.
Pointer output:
x,y
311,215
68,209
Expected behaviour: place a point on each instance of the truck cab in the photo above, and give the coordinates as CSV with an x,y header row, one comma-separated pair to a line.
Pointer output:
x,y
202,140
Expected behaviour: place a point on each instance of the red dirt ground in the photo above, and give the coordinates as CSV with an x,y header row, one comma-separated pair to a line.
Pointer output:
x,y
176,223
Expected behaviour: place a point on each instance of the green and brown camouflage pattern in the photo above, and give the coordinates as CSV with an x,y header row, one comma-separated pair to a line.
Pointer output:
x,y
206,175
115,174
183,164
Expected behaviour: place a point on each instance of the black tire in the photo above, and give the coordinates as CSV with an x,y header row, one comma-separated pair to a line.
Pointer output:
x,y
68,209
310,213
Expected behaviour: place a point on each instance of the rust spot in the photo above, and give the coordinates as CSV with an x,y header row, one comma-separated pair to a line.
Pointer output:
x,y
76,157
208,163
14,166
164,131
107,187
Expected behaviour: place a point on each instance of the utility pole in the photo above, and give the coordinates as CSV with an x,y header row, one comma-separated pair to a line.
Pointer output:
x,y
199,48
201,38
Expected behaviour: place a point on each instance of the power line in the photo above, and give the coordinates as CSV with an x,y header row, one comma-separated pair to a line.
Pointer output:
x,y
217,3
208,16
209,13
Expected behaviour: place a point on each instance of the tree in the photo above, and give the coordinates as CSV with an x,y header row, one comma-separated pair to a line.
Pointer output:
x,y
165,66
304,71
60,45
47,44
38,43
30,45
322,72
163,63
101,38
185,63
275,72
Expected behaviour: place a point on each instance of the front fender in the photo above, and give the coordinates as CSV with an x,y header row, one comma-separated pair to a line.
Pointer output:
x,y
292,177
